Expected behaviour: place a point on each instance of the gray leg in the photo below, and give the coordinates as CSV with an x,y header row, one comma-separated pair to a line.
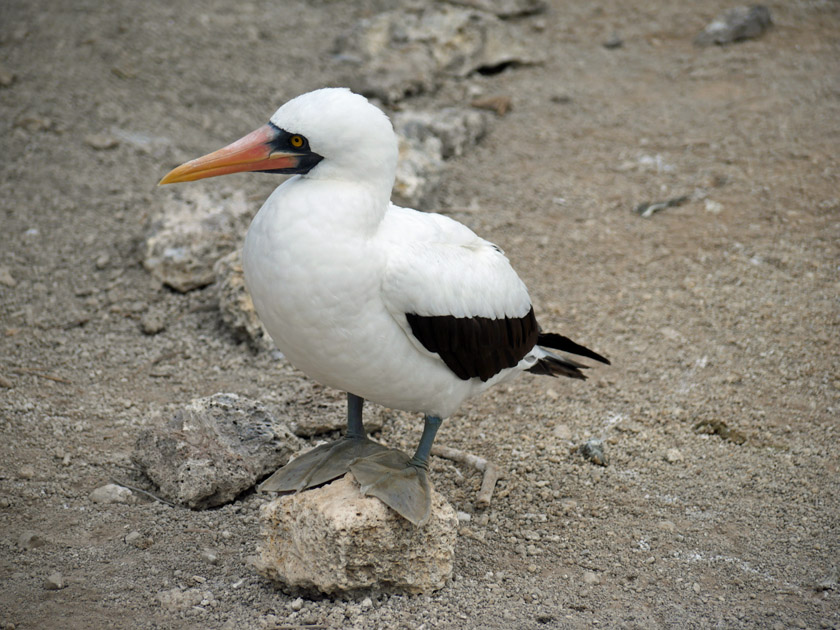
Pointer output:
x,y
328,461
398,481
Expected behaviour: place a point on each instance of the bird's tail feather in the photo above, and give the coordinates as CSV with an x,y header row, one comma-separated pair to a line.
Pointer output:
x,y
551,364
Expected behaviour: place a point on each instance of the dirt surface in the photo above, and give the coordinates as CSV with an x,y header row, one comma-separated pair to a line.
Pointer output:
x,y
720,503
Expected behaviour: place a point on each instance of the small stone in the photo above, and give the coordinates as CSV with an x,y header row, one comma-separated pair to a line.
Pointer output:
x,y
673,455
715,207
132,537
111,493
6,278
297,604
153,322
667,526
101,141
463,517
27,471
31,540
614,41
696,588
591,578
138,540
7,77
366,603
593,450
176,600
208,555
4,502
55,582
102,261
737,24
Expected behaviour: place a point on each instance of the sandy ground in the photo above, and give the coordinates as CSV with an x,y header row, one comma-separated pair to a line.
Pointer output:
x,y
718,314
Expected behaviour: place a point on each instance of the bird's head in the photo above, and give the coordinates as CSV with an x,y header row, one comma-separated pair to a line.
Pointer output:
x,y
330,133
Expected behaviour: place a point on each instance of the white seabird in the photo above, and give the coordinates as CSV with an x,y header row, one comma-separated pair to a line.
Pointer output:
x,y
407,309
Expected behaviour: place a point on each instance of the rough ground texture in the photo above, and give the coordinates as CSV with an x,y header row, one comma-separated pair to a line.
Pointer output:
x,y
720,503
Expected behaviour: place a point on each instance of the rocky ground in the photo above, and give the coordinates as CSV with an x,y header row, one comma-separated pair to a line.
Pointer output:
x,y
718,506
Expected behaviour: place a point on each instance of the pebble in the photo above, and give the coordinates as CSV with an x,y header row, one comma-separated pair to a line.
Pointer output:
x,y
673,455
591,578
7,77
463,517
297,604
101,141
111,493
667,526
31,540
593,450
737,24
614,41
153,322
366,603
696,588
4,502
55,582
6,278
27,471
208,555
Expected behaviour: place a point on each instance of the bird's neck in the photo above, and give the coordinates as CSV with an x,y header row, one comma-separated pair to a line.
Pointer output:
x,y
333,206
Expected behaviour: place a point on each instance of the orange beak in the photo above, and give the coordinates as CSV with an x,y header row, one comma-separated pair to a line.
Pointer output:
x,y
254,152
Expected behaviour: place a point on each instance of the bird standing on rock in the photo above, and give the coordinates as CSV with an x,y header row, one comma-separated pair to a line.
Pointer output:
x,y
407,309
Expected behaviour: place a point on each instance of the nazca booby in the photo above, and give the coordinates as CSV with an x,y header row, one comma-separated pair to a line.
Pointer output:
x,y
407,309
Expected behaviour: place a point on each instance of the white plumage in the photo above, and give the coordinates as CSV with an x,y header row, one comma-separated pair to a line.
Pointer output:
x,y
407,309
333,266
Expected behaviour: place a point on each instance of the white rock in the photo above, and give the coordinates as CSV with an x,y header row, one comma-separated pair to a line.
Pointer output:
x,y
111,493
192,231
673,455
334,539
406,51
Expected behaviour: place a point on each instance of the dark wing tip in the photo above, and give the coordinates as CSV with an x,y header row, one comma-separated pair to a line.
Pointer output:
x,y
564,344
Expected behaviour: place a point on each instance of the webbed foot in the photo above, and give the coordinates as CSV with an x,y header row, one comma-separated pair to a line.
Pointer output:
x,y
393,478
320,465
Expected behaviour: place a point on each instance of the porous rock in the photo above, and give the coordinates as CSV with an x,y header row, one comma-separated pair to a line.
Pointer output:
x,y
195,228
737,24
214,448
403,52
334,539
426,139
235,303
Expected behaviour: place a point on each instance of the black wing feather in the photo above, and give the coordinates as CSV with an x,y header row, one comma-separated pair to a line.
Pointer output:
x,y
476,347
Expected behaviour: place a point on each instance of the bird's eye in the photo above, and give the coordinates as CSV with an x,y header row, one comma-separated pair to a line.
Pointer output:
x,y
296,141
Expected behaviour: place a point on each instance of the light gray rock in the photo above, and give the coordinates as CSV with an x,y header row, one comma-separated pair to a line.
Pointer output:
x,y
504,8
333,539
31,540
235,302
457,129
426,140
195,228
214,448
55,582
419,172
112,493
737,24
403,52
